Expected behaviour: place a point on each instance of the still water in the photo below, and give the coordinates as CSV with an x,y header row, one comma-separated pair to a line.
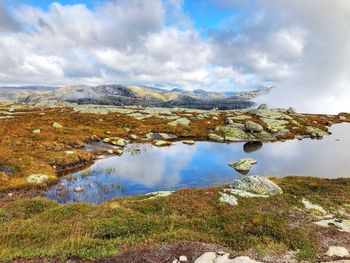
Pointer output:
x,y
203,164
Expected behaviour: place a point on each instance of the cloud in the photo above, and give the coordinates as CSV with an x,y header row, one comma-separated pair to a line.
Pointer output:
x,y
303,48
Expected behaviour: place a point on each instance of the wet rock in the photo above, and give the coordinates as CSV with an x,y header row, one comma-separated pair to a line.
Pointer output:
x,y
106,140
244,165
37,178
250,147
121,142
189,142
251,126
215,137
263,107
36,131
160,136
336,251
291,110
229,199
316,132
162,143
257,185
57,125
181,121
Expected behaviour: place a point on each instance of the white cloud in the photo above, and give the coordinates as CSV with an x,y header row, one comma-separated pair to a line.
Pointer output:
x,y
302,47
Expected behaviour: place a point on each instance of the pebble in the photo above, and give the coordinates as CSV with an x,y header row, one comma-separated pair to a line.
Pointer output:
x,y
337,251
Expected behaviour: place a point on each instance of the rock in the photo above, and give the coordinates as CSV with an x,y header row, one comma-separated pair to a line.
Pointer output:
x,y
57,125
341,224
244,193
37,178
342,118
313,135
291,110
229,121
212,257
121,142
183,259
36,131
263,107
69,152
106,140
79,189
110,151
229,199
310,206
160,136
162,143
251,126
257,185
244,165
133,137
215,137
250,147
159,194
329,123
189,142
336,251
181,121
338,261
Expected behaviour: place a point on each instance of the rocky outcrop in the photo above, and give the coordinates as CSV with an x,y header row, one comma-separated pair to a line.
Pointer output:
x,y
37,178
257,185
214,257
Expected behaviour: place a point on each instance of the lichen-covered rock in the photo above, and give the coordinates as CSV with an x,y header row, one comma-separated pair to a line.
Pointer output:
x,y
37,178
340,224
181,121
263,107
258,185
251,126
36,131
162,143
229,199
57,125
120,142
310,206
213,257
244,165
337,251
215,137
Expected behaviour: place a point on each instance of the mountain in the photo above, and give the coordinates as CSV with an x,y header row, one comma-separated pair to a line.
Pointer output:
x,y
120,95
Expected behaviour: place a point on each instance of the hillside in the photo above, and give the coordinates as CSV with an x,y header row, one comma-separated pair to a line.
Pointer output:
x,y
120,95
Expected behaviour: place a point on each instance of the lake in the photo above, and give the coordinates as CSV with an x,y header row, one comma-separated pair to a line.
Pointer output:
x,y
144,168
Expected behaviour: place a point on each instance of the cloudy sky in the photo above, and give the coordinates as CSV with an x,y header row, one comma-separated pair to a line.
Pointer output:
x,y
301,47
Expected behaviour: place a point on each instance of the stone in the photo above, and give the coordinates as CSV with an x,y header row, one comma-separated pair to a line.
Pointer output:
x,y
229,199
181,121
244,165
57,125
121,142
251,126
215,137
37,178
244,193
159,194
162,143
212,257
257,185
229,121
183,258
69,152
310,206
341,224
189,142
133,137
291,110
342,118
36,131
106,140
337,251
160,136
263,107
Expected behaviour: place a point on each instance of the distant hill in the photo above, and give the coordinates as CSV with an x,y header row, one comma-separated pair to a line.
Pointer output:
x,y
121,95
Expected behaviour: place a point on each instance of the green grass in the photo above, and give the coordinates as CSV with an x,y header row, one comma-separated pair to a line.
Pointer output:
x,y
40,227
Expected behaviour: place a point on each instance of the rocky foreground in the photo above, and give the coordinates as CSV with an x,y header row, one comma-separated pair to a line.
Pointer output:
x,y
257,219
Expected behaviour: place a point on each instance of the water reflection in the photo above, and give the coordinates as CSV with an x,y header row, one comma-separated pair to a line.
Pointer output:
x,y
144,168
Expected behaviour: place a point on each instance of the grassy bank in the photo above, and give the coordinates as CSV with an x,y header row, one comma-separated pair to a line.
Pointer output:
x,y
44,228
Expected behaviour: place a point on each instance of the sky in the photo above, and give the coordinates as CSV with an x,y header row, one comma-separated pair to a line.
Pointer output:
x,y
300,47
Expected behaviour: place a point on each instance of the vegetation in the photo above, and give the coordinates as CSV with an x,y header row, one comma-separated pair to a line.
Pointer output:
x,y
40,227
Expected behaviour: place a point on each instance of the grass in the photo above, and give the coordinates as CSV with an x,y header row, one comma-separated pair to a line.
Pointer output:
x,y
40,227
